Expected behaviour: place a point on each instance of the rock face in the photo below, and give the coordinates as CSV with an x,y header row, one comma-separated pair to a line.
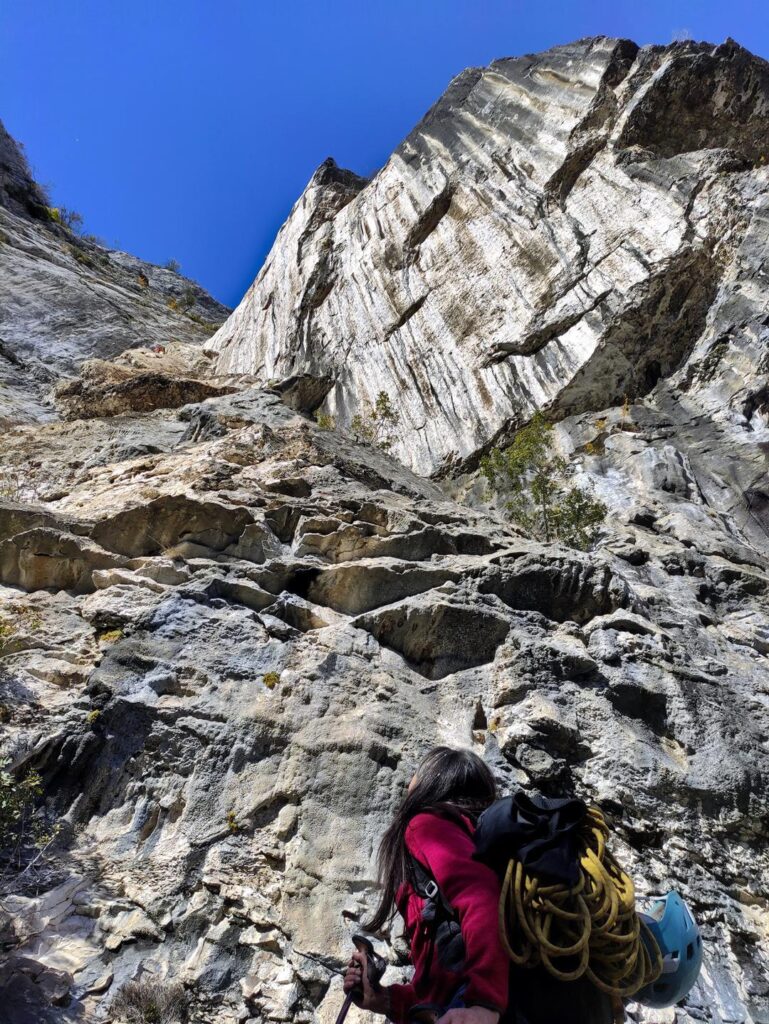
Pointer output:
x,y
109,389
559,231
228,655
230,634
64,298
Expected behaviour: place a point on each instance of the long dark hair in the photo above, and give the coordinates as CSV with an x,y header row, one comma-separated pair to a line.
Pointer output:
x,y
448,782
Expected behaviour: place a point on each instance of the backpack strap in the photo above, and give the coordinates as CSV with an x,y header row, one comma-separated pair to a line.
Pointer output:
x,y
437,908
426,887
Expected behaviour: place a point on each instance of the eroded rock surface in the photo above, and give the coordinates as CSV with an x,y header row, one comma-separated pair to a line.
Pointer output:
x,y
65,298
560,230
107,389
230,689
229,634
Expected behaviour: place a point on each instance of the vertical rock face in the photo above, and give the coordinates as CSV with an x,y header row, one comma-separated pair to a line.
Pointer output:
x,y
559,231
228,635
19,193
226,655
66,298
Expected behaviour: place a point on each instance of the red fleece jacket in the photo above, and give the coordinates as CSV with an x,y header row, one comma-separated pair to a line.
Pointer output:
x,y
472,888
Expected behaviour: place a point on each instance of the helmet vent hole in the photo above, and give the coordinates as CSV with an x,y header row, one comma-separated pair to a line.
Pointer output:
x,y
699,940
690,951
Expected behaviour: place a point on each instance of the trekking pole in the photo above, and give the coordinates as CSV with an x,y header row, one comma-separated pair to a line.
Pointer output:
x,y
376,966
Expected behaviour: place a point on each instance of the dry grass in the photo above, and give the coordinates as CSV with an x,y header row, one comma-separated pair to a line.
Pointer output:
x,y
149,1002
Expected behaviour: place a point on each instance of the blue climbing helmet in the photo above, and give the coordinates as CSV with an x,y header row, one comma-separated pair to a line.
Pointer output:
x,y
676,933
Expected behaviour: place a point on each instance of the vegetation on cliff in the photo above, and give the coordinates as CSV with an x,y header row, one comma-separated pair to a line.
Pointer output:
x,y
531,478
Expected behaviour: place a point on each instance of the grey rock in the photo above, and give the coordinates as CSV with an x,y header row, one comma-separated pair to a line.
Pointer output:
x,y
42,558
404,287
264,699
106,301
105,389
231,634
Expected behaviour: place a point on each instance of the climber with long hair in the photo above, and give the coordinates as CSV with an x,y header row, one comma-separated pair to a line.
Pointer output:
x,y
460,968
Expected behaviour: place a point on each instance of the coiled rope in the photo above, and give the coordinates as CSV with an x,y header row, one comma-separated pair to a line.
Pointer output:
x,y
591,929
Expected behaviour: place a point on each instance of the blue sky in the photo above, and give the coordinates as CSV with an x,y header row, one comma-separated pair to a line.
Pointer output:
x,y
188,128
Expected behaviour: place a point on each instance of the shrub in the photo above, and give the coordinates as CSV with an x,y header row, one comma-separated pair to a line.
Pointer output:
x,y
173,265
27,621
325,420
182,302
209,325
31,619
232,822
11,486
532,480
71,219
16,486
626,422
81,256
93,717
270,680
7,633
149,1002
19,825
377,425
110,636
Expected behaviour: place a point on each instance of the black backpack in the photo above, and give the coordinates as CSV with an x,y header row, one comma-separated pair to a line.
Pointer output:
x,y
535,997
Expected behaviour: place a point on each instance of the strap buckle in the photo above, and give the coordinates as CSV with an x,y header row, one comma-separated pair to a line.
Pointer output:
x,y
431,889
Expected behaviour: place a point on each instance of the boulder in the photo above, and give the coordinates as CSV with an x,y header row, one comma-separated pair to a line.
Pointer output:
x,y
109,389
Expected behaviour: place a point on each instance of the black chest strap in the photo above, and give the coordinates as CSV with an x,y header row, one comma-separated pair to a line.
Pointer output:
x,y
436,910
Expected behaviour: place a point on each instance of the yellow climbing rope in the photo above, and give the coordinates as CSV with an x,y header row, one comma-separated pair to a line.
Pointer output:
x,y
591,929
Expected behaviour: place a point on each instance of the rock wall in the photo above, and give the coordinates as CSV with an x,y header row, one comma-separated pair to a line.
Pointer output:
x,y
229,655
66,298
230,634
559,231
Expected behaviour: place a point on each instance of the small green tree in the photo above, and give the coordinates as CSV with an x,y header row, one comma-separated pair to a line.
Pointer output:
x,y
531,477
173,265
377,424
18,797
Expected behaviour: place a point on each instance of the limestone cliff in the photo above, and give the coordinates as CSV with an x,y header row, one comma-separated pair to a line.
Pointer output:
x,y
559,231
65,298
230,634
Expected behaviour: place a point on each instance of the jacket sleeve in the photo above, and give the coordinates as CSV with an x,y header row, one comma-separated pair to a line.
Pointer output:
x,y
472,888
402,998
